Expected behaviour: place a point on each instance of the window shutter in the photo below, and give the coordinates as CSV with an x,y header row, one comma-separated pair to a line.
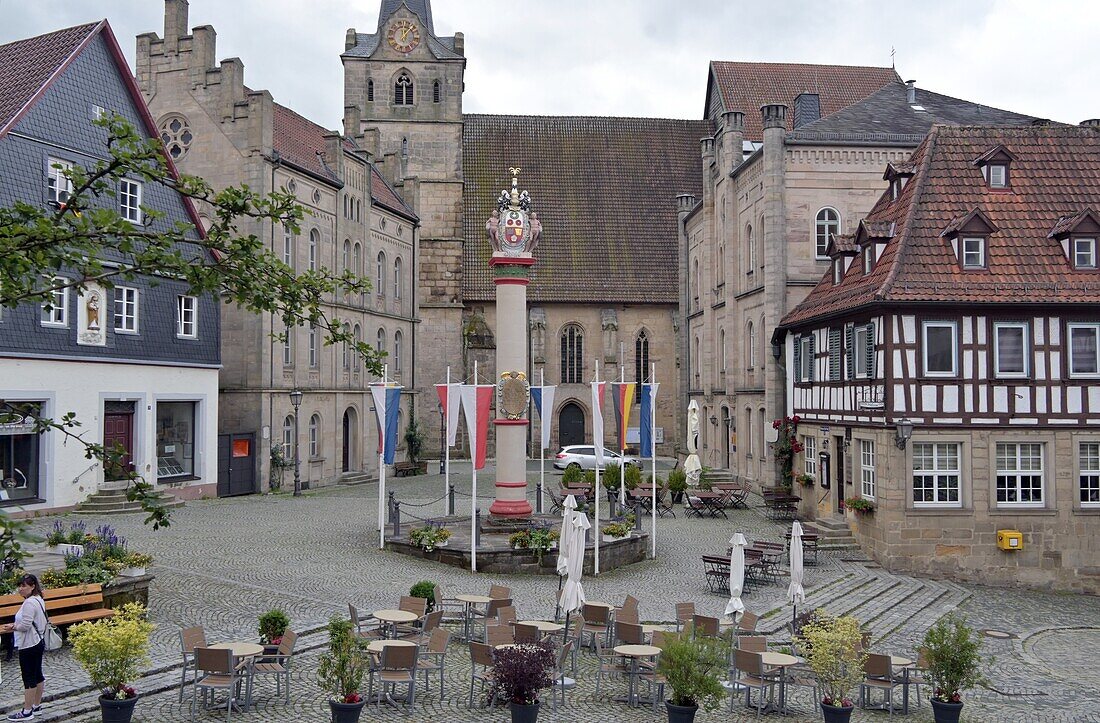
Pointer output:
x,y
798,358
813,354
850,350
870,350
834,355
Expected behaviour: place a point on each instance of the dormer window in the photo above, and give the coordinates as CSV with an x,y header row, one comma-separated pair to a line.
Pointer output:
x,y
973,252
895,190
997,175
994,165
868,259
838,272
1084,253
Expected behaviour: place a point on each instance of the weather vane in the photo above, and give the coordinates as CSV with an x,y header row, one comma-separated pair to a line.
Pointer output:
x,y
514,171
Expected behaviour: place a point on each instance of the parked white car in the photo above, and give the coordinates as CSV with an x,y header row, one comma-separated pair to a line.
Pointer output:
x,y
584,456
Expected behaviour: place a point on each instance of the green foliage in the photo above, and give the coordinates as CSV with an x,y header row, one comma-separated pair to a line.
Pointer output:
x,y
692,666
429,537
633,477
572,476
590,477
414,439
279,463
677,480
833,649
611,477
704,478
649,482
52,578
88,240
137,559
520,540
340,670
951,648
424,589
113,650
620,528
806,480
860,505
786,447
273,624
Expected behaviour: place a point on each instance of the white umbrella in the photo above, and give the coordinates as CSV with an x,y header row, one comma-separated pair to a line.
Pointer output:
x,y
735,608
572,595
692,467
568,506
795,593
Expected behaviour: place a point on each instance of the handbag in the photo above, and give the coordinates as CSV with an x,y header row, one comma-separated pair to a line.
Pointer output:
x,y
52,636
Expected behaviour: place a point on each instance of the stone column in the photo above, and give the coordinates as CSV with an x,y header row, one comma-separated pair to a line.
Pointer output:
x,y
511,276
775,253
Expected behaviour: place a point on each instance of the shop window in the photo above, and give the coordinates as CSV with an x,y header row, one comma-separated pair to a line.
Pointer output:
x,y
19,451
175,439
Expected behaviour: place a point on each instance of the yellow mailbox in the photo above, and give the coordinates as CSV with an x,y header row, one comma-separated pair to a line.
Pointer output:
x,y
1010,539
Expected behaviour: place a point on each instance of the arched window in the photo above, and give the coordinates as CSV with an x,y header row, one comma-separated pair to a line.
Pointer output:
x,y
403,90
828,224
347,254
397,353
397,278
314,242
695,364
641,357
763,437
313,357
347,348
288,436
358,208
345,206
288,347
435,92
404,147
750,250
748,433
380,275
572,355
696,290
720,269
357,334
370,90
750,346
722,354
356,259
314,436
761,239
380,340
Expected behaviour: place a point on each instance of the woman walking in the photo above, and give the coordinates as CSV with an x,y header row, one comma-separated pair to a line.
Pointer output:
x,y
30,638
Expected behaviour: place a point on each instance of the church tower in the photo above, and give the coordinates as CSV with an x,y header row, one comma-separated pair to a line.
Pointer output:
x,y
403,103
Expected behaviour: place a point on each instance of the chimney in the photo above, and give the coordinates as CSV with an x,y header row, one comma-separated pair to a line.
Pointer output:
x,y
807,109
1091,123
232,82
353,121
333,147
203,46
684,203
733,139
706,147
175,23
460,43
349,40
389,168
911,92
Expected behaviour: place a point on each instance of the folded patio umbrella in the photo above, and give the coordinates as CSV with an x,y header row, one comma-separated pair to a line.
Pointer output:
x,y
795,593
572,595
735,608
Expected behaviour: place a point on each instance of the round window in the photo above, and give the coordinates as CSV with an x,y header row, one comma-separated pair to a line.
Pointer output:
x,y
176,136
291,186
316,196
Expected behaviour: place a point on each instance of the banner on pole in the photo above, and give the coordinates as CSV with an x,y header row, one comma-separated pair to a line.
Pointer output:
x,y
597,420
623,395
450,397
476,401
543,398
648,441
387,404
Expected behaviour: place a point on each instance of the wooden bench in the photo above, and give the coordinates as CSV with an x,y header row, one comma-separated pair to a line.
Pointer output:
x,y
404,469
64,605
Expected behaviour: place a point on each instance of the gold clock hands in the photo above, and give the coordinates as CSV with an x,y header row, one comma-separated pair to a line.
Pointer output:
x,y
406,33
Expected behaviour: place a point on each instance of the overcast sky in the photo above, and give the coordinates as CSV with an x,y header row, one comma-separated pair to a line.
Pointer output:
x,y
640,57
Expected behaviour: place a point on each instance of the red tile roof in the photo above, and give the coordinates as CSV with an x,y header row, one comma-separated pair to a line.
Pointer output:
x,y
26,67
1056,172
747,86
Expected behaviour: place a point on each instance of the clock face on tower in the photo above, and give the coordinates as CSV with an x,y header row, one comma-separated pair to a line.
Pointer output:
x,y
404,36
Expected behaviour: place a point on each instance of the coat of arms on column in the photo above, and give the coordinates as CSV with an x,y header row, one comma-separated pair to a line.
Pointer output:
x,y
514,228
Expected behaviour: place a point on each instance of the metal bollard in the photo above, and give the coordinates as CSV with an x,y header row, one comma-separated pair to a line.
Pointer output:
x,y
451,500
391,502
396,519
538,500
477,527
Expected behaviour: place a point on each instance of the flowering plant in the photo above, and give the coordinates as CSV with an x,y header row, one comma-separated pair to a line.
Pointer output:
x,y
786,447
521,672
114,650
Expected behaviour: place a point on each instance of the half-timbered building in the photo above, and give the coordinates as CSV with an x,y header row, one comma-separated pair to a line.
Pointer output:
x,y
947,367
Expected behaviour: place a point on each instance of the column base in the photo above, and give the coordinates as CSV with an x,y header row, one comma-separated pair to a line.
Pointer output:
x,y
510,508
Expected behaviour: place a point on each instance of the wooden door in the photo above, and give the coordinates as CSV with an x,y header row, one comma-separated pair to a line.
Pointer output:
x,y
118,431
570,425
236,464
838,465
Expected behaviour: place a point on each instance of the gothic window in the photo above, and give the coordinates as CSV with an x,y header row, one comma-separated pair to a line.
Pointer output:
x,y
380,276
314,242
315,436
435,92
380,343
720,269
696,363
403,90
397,353
641,357
176,135
370,90
288,436
347,254
405,147
572,355
750,250
397,278
750,345
828,224
357,336
695,285
722,354
347,348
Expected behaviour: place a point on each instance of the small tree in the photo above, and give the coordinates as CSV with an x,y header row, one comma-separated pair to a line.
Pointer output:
x,y
414,440
272,625
521,672
424,589
340,670
692,665
951,648
786,446
114,650
833,651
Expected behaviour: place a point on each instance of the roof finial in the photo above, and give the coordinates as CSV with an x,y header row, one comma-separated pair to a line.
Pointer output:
x,y
892,66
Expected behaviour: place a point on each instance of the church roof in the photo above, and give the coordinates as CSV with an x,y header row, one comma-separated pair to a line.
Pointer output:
x,y
747,86
886,118
421,8
605,191
367,43
1057,171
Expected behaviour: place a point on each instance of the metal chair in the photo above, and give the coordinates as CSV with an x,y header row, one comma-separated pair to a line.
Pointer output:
x,y
190,638
481,668
488,616
453,610
684,613
706,626
747,623
396,667
610,663
366,630
629,633
214,670
499,592
752,643
499,635
597,620
527,633
559,675
433,657
278,665
879,675
750,676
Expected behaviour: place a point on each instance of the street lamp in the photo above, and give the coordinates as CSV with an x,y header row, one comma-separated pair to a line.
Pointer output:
x,y
442,439
903,433
296,401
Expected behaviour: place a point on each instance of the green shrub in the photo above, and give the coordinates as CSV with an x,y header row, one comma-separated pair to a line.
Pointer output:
x,y
677,480
273,624
951,648
693,666
520,540
633,477
424,589
572,476
590,477
341,669
611,477
832,646
113,650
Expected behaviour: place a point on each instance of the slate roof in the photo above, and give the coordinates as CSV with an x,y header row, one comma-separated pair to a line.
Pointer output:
x,y
747,86
421,8
605,191
27,66
383,195
367,43
886,118
1056,173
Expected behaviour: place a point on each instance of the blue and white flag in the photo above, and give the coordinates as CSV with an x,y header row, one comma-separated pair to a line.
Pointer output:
x,y
648,438
543,397
387,403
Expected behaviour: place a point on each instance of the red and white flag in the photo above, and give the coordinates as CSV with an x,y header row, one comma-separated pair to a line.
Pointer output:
x,y
597,420
476,402
450,398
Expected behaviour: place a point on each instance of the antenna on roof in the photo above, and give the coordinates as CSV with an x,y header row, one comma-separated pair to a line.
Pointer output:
x,y
892,52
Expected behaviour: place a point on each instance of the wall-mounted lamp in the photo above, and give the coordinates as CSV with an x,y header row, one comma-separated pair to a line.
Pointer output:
x,y
714,420
904,433
777,351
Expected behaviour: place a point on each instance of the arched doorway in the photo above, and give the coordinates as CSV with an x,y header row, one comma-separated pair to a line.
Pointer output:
x,y
350,435
570,425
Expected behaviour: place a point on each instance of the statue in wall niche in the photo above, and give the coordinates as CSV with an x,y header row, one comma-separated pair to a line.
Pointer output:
x,y
537,324
92,307
609,322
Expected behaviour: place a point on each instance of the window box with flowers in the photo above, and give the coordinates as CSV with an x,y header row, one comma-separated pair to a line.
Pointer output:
x,y
806,480
785,448
860,506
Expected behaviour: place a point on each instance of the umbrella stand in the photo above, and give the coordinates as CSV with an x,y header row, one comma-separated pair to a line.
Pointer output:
x,y
557,606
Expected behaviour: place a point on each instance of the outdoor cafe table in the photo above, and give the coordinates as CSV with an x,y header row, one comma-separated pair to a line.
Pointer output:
x,y
712,501
781,661
543,626
375,649
470,601
896,661
635,653
240,650
393,617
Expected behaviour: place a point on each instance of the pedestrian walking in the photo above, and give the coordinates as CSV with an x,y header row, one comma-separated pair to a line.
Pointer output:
x,y
30,638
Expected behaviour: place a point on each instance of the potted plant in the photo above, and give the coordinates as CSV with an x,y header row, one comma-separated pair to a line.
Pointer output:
x,y
67,542
613,531
429,537
572,476
677,484
806,480
519,674
950,649
273,624
859,505
633,477
424,589
785,447
114,651
612,478
692,666
704,479
414,444
520,540
833,648
542,539
134,564
340,671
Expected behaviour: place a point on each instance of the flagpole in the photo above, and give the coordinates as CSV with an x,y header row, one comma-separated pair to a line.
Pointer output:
x,y
447,412
473,495
622,436
596,493
382,469
542,450
653,456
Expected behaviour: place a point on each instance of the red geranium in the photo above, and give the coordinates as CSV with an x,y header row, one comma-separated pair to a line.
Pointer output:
x,y
353,698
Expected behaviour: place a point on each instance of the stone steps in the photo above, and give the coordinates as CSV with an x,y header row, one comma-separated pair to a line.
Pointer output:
x,y
832,534
114,502
357,478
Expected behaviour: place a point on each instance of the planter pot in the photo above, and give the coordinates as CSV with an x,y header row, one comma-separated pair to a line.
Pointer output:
x,y
946,712
268,650
117,711
346,712
836,713
443,544
681,713
66,549
132,571
524,713
609,538
677,498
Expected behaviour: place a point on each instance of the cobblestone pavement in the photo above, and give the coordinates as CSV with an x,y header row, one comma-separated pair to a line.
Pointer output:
x,y
223,562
